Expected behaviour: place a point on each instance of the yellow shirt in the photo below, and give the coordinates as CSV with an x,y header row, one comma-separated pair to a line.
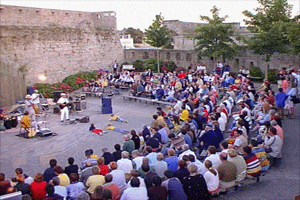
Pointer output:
x,y
64,179
94,181
26,121
184,115
114,118
110,128
94,156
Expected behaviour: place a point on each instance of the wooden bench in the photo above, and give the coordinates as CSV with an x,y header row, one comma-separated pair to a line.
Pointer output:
x,y
146,100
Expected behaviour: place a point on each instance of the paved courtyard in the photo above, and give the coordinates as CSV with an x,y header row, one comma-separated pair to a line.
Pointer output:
x,y
33,155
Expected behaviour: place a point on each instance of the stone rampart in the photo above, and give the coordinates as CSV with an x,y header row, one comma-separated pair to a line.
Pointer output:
x,y
58,44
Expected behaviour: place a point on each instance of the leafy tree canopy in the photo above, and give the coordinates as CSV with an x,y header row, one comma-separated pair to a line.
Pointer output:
x,y
136,34
158,35
215,38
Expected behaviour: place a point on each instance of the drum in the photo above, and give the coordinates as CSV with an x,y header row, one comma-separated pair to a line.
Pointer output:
x,y
31,132
8,123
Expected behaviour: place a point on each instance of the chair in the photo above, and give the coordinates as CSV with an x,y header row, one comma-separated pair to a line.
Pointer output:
x,y
51,103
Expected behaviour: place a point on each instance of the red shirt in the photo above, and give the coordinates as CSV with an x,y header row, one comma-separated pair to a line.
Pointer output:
x,y
115,190
37,189
182,75
103,169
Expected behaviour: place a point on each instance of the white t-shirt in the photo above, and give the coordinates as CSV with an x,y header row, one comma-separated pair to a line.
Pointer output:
x,y
63,100
125,165
215,160
35,98
135,193
212,181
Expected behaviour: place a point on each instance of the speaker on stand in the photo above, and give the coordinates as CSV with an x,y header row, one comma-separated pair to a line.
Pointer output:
x,y
56,95
106,105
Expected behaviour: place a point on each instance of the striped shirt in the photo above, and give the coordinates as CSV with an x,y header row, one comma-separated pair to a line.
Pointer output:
x,y
253,165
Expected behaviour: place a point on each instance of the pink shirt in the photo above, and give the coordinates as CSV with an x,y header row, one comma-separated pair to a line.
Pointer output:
x,y
279,131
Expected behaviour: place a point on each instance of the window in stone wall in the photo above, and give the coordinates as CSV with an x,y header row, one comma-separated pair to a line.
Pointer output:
x,y
155,54
53,13
37,11
237,62
211,58
67,14
146,55
20,11
178,56
98,16
79,15
199,58
188,57
1,10
112,14
132,54
251,64
168,56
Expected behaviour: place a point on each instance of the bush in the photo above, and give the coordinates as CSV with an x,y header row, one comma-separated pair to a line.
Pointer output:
x,y
139,65
272,75
169,66
152,64
256,72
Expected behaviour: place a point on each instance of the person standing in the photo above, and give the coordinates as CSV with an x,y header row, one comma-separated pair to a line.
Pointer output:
x,y
281,97
64,110
36,101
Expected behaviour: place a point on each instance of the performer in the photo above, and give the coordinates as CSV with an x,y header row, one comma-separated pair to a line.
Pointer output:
x,y
36,101
26,123
63,105
29,108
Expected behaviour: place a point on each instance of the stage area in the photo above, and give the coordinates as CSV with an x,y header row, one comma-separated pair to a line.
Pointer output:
x,y
33,155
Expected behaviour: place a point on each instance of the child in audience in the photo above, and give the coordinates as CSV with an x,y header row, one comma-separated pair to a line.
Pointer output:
x,y
114,117
96,130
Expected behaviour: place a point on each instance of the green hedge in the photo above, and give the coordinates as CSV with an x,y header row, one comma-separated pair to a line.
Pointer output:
x,y
256,72
142,65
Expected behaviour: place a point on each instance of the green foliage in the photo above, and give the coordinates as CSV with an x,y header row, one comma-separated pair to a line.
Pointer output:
x,y
139,65
293,35
136,34
256,72
215,38
24,68
158,35
152,64
270,25
272,75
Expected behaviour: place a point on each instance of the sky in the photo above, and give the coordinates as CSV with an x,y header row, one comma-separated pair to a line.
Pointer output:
x,y
140,14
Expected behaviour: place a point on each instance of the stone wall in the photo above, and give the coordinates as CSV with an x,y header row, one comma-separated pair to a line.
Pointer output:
x,y
184,58
11,85
57,43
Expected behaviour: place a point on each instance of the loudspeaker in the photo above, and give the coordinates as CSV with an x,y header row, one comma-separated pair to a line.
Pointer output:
x,y
106,102
56,95
78,106
106,110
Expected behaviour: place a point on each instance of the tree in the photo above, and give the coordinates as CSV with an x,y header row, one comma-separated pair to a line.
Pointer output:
x,y
158,35
270,24
215,38
136,34
293,35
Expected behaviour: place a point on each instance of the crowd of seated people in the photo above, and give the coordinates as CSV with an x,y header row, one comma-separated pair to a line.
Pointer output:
x,y
215,136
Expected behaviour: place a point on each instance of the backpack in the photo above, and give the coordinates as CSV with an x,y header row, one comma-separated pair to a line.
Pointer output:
x,y
84,120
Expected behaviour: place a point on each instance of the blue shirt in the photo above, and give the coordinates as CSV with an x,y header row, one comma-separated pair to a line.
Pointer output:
x,y
280,99
164,135
172,163
188,140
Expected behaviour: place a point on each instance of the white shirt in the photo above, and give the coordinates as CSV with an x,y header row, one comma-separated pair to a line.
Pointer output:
x,y
201,168
125,165
212,181
135,193
215,160
35,98
119,178
62,100
187,152
142,182
138,161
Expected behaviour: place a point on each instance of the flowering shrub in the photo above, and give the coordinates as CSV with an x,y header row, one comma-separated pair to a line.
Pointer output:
x,y
69,84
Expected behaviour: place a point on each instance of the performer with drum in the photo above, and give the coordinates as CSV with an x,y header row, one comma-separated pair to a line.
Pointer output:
x,y
63,105
35,99
29,108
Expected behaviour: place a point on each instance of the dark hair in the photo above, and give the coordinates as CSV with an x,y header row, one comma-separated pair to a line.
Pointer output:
x,y
19,171
280,89
239,132
106,194
191,158
149,149
108,178
56,180
135,182
38,177
182,164
88,152
156,180
154,117
224,143
169,174
212,149
58,169
254,143
50,189
183,131
53,163
208,165
97,192
273,130
247,149
2,176
145,167
171,135
74,177
117,147
71,160
185,158
133,132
